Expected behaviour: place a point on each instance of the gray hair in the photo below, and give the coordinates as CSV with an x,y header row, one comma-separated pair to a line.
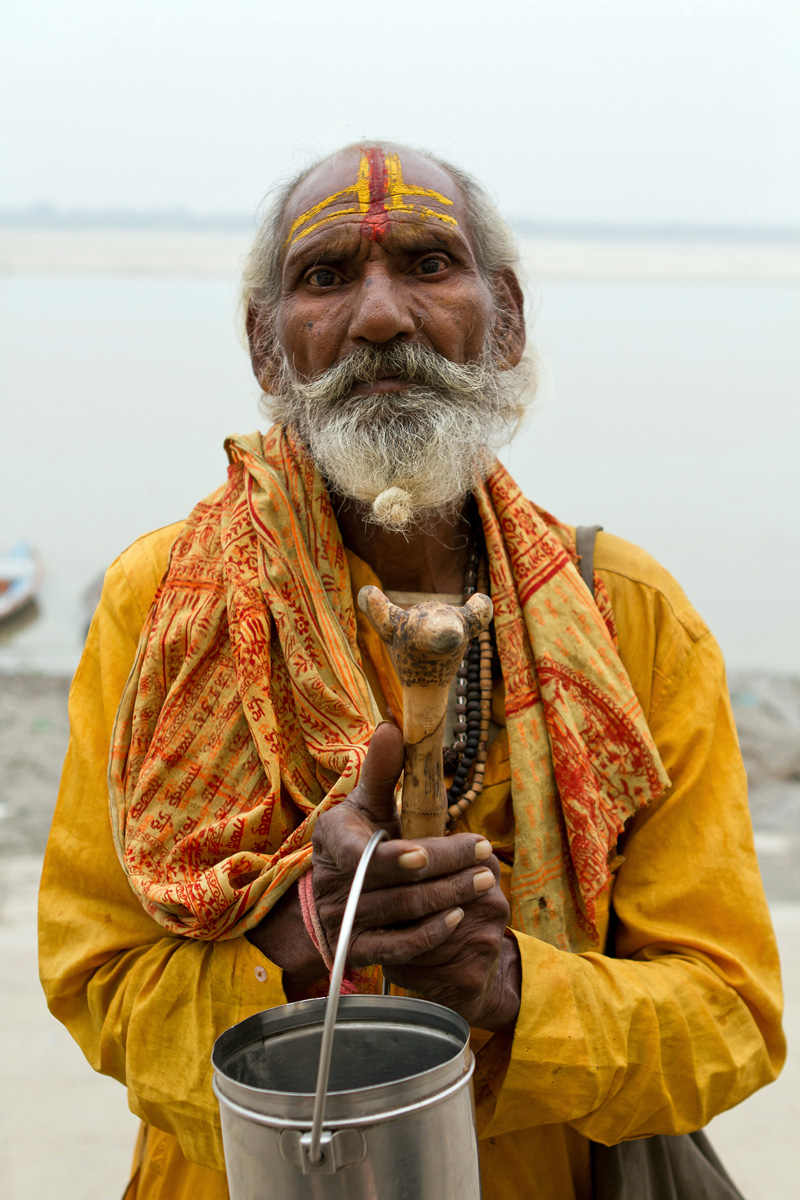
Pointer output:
x,y
495,245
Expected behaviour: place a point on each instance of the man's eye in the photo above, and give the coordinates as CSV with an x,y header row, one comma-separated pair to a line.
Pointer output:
x,y
321,277
432,264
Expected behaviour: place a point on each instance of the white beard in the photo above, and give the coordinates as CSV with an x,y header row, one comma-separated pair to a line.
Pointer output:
x,y
408,454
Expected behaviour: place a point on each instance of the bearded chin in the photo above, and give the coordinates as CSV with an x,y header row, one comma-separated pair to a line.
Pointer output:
x,y
407,456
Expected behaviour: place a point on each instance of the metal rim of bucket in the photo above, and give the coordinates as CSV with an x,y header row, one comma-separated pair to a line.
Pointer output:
x,y
358,1120
372,1099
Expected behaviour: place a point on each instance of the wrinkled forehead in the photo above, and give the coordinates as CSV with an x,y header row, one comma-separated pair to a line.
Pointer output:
x,y
373,185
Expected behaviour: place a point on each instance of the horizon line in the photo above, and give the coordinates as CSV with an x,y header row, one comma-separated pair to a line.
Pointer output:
x,y
44,216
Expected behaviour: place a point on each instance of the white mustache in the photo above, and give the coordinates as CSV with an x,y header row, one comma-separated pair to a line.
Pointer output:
x,y
412,363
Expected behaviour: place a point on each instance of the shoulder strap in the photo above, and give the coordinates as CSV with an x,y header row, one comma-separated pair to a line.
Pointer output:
x,y
584,544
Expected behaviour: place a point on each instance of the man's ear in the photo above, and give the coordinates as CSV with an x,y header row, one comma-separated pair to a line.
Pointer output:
x,y
261,339
509,328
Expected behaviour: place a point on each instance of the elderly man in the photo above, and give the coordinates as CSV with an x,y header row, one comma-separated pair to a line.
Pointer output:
x,y
255,743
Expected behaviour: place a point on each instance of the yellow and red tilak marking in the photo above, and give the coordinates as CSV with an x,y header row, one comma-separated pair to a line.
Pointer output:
x,y
379,191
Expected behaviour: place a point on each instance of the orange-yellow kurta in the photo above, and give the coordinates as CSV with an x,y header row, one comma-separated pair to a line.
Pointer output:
x,y
685,1023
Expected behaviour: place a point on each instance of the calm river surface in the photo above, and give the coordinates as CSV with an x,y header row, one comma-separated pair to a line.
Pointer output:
x,y
669,415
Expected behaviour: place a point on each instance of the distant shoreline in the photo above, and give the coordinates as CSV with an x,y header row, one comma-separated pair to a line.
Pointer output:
x,y
49,217
684,255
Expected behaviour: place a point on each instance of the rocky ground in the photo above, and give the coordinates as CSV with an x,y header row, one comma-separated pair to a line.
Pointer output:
x,y
767,711
33,741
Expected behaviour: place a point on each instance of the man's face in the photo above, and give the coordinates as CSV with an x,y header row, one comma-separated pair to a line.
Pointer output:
x,y
388,352
378,250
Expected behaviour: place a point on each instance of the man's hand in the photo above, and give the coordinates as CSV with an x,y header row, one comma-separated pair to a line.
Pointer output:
x,y
431,913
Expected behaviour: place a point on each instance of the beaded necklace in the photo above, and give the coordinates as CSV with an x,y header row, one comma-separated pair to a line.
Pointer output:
x,y
473,706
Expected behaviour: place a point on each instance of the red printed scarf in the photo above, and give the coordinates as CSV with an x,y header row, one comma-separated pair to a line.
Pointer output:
x,y
247,712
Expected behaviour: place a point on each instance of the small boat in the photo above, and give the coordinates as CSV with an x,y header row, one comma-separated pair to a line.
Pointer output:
x,y
21,575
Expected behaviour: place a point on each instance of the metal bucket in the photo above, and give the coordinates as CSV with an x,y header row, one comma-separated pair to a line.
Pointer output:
x,y
383,1110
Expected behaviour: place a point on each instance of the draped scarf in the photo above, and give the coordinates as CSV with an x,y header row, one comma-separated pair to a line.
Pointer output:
x,y
247,712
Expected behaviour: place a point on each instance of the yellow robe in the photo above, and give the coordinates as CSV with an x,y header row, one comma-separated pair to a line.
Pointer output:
x,y
684,1024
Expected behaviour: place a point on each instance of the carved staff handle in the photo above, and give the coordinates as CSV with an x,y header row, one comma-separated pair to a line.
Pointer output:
x,y
427,642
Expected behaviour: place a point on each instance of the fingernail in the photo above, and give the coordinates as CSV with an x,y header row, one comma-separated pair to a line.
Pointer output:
x,y
412,860
454,918
483,850
483,881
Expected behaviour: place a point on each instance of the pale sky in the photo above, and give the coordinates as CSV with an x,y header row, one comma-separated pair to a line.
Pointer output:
x,y
642,111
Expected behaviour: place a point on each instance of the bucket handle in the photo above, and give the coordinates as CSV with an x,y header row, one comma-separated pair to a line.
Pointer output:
x,y
314,1151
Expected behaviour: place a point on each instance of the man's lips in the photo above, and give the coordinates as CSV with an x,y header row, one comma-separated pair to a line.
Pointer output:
x,y
389,384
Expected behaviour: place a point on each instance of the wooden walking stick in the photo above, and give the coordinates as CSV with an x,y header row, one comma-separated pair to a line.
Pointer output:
x,y
427,642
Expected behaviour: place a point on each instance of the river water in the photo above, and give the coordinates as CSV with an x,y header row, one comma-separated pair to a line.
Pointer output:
x,y
669,414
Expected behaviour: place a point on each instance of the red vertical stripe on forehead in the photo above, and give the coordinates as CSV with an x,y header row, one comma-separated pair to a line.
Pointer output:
x,y
376,222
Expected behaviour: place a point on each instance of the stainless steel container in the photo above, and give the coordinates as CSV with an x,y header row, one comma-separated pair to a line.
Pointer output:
x,y
399,1120
357,1098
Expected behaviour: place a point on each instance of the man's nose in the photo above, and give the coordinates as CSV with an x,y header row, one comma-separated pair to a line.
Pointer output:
x,y
381,311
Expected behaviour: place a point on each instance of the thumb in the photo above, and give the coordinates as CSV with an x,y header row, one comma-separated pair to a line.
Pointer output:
x,y
380,772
